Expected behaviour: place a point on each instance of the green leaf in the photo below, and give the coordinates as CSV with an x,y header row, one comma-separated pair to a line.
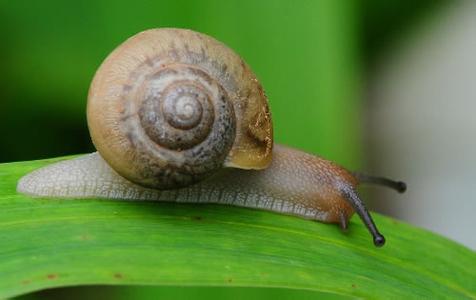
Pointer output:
x,y
50,243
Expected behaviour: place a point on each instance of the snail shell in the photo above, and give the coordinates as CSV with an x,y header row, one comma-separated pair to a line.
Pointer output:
x,y
169,107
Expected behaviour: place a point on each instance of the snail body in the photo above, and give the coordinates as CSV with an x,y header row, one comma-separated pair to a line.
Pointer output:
x,y
295,183
177,116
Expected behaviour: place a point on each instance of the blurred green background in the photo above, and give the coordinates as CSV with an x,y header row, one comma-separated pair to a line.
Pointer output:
x,y
311,56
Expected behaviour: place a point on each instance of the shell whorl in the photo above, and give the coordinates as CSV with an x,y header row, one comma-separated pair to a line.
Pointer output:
x,y
181,123
169,107
180,105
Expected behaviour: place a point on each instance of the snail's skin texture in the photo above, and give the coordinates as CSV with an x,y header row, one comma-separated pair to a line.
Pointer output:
x,y
295,183
169,107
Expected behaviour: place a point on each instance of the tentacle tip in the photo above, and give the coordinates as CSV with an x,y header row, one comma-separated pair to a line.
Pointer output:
x,y
343,221
379,240
401,187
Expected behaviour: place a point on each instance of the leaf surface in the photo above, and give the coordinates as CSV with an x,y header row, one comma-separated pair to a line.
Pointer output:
x,y
50,243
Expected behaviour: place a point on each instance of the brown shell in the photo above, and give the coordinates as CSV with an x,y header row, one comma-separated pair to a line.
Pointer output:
x,y
116,109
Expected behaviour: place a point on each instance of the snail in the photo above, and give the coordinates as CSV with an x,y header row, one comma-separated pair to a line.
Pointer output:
x,y
178,116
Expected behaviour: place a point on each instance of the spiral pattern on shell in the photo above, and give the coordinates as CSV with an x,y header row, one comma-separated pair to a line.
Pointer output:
x,y
169,107
181,123
177,109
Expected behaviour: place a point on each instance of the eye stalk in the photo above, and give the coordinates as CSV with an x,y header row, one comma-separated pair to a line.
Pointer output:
x,y
350,194
399,186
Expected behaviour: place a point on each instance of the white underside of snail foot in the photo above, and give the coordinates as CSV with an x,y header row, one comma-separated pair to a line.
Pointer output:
x,y
88,176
